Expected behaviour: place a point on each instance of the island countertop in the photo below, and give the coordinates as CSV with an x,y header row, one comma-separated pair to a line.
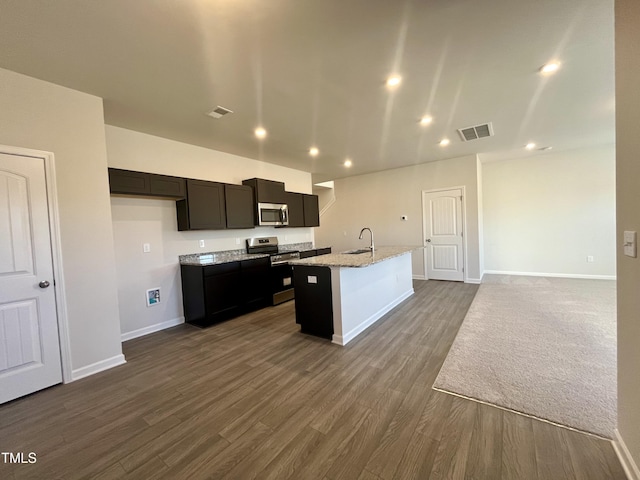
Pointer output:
x,y
356,260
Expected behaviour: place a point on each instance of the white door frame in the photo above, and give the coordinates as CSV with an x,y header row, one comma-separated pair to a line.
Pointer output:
x,y
56,253
465,254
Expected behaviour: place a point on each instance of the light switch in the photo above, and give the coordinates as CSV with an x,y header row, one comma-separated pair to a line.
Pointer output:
x,y
630,244
146,247
201,243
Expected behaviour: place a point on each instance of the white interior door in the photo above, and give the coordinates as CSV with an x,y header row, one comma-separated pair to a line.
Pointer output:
x,y
29,342
444,258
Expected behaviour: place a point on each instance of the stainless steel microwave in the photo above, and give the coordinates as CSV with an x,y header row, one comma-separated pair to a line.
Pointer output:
x,y
274,214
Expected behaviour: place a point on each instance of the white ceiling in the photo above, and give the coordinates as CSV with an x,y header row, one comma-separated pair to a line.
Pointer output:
x,y
312,72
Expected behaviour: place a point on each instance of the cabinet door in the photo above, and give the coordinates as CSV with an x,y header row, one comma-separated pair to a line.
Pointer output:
x,y
267,191
256,287
296,209
239,206
311,211
128,182
164,186
222,293
204,208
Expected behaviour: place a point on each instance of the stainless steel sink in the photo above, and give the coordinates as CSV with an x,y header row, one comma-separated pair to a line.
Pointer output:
x,y
358,252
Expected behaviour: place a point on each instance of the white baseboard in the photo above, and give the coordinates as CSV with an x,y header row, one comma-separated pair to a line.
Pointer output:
x,y
419,277
629,465
473,280
97,367
151,329
354,332
558,275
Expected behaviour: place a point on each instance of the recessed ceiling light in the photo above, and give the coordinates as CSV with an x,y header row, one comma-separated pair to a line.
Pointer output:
x,y
394,81
260,132
426,120
348,162
550,67
530,146
444,142
313,151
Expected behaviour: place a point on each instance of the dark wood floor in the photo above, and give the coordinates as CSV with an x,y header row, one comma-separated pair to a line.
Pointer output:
x,y
254,398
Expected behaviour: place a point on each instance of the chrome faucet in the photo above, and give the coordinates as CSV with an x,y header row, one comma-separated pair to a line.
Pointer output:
x,y
371,247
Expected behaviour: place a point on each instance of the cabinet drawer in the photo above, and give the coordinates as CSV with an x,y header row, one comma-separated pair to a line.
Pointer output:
x,y
220,269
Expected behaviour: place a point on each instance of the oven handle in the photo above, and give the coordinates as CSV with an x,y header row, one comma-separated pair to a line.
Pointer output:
x,y
283,215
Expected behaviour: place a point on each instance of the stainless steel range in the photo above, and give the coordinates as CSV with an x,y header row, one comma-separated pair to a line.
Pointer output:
x,y
281,274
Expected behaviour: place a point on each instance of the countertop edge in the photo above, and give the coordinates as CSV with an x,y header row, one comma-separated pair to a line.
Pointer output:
x,y
345,260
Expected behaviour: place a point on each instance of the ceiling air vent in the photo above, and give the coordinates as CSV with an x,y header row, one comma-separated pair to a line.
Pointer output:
x,y
478,131
219,112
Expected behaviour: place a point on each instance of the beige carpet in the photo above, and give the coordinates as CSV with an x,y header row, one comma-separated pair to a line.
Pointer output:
x,y
545,347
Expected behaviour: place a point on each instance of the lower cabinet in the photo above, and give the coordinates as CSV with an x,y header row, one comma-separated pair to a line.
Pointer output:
x,y
214,293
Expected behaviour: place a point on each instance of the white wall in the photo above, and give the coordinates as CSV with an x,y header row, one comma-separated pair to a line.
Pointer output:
x,y
547,213
628,218
378,200
144,220
43,116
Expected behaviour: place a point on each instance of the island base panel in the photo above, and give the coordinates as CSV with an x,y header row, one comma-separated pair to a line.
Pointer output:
x,y
313,300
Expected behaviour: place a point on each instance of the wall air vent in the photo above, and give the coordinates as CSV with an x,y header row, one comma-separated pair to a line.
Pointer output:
x,y
476,132
219,112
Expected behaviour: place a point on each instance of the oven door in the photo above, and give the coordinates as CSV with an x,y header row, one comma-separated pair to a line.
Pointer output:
x,y
273,214
282,283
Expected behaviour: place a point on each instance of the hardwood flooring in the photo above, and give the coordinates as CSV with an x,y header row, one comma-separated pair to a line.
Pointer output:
x,y
254,398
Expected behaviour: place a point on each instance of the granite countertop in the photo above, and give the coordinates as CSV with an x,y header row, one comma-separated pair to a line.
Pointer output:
x,y
355,260
227,256
218,258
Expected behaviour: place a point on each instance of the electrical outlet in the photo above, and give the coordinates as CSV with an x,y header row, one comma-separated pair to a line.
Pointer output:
x,y
146,247
201,243
237,241
589,258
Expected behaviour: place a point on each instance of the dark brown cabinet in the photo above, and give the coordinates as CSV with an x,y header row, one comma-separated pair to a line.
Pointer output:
x,y
165,186
128,182
239,206
295,203
214,293
266,191
210,294
256,289
204,207
311,211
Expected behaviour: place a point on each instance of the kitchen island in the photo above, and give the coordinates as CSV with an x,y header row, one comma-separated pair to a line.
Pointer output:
x,y
340,295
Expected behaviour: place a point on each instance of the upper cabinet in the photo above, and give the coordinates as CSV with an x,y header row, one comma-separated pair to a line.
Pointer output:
x,y
204,207
140,183
296,209
267,191
239,206
311,211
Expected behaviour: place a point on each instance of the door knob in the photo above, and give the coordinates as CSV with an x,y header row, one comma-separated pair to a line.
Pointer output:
x,y
428,240
44,284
